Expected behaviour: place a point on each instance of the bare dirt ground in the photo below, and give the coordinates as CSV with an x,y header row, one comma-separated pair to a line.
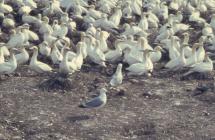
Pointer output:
x,y
150,108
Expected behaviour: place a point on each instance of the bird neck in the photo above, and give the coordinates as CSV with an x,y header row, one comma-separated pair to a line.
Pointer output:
x,y
34,57
103,96
13,59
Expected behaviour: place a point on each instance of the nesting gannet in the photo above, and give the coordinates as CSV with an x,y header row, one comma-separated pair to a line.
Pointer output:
x,y
117,77
143,24
26,18
52,8
9,66
17,39
164,35
187,49
30,3
156,55
4,49
116,17
4,8
105,24
114,55
131,57
8,22
174,5
61,31
96,102
127,11
36,65
207,30
2,59
202,67
200,50
96,55
32,36
55,54
24,9
192,59
94,13
133,30
195,17
22,57
79,57
141,68
44,48
173,50
212,22
66,67
178,62
45,27
103,42
152,19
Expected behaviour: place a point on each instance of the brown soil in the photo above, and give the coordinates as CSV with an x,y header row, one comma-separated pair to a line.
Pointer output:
x,y
150,108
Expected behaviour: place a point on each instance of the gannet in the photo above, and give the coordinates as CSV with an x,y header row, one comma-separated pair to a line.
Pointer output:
x,y
178,62
22,57
127,11
4,49
105,24
117,78
114,55
174,5
26,18
187,49
156,55
173,50
94,13
36,65
103,43
207,30
143,24
79,60
136,7
131,57
116,16
212,22
55,54
45,27
96,102
4,8
32,36
62,31
152,19
17,39
195,17
141,68
8,22
133,30
164,35
200,52
9,66
96,55
65,66
24,9
192,59
44,48
202,67
2,59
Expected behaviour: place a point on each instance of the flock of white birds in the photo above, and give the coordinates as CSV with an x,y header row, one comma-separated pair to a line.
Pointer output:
x,y
45,27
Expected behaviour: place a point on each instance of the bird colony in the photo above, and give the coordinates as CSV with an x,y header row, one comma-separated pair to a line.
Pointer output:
x,y
133,35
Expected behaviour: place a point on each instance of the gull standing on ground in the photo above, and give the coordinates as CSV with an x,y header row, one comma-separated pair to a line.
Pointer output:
x,y
96,102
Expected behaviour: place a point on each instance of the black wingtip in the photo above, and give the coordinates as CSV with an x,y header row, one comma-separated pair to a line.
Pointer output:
x,y
82,106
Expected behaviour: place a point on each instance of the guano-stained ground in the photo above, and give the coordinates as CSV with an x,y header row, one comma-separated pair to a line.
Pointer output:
x,y
146,108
